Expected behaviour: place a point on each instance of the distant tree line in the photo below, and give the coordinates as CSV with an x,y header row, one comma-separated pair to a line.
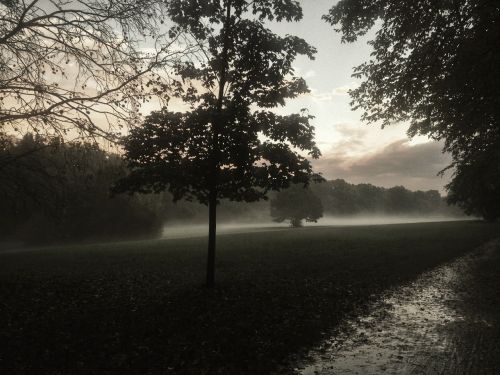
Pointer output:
x,y
52,191
339,197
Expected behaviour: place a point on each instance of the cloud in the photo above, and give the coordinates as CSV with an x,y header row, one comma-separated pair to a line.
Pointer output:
x,y
337,91
399,163
344,90
352,136
309,74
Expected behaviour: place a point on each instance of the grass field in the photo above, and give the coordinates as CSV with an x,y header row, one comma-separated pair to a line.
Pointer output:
x,y
140,307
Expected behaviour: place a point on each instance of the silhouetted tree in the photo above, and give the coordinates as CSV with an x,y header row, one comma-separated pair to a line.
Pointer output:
x,y
228,145
296,203
434,64
72,64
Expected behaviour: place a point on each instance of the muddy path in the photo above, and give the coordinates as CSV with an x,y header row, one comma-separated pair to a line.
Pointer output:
x,y
445,322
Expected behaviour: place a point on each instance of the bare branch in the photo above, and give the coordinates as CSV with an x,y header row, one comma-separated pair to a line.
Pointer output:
x,y
70,65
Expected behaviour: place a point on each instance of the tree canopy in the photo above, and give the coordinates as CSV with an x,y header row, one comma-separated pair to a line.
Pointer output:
x,y
229,144
295,204
434,64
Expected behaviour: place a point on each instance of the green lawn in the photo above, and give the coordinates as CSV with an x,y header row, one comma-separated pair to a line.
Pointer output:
x,y
140,307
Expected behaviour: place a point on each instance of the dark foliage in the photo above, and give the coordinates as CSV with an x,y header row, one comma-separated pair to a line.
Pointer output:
x,y
53,191
435,64
342,198
172,151
476,185
296,203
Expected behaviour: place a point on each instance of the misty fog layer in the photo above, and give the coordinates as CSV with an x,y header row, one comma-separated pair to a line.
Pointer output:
x,y
185,230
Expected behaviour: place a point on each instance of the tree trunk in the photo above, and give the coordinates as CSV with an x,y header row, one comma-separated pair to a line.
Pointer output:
x,y
212,228
216,125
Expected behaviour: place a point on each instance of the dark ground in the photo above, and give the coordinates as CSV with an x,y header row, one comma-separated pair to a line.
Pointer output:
x,y
139,307
447,321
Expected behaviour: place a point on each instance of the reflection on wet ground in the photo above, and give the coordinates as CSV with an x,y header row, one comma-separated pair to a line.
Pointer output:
x,y
420,328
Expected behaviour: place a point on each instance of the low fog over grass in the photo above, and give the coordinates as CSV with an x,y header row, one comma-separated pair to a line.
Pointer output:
x,y
330,203
186,229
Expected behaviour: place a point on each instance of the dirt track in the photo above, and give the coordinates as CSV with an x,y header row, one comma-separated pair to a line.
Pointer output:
x,y
445,322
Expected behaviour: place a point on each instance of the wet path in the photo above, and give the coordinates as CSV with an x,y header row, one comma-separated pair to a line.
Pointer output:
x,y
435,325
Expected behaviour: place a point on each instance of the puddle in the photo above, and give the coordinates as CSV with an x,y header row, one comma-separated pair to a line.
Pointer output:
x,y
408,331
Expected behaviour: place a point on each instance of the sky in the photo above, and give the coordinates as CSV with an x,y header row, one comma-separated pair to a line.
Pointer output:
x,y
351,149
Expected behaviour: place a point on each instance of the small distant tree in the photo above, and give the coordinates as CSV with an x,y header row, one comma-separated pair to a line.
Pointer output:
x,y
228,144
296,203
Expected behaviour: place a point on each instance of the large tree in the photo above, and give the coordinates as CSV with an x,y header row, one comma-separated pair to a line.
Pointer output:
x,y
229,144
434,64
84,65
